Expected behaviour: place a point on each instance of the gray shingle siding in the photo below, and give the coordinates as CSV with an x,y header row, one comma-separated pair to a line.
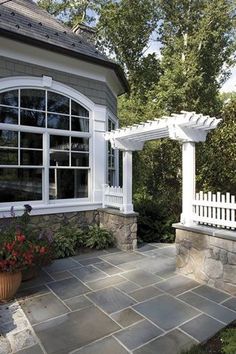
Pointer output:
x,y
97,91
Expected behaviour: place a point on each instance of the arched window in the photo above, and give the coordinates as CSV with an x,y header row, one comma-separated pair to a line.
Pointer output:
x,y
44,146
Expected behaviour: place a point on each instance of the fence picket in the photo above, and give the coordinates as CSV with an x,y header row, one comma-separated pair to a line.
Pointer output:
x,y
217,210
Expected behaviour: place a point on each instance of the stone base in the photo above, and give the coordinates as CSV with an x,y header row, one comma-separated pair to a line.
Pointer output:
x,y
123,227
207,255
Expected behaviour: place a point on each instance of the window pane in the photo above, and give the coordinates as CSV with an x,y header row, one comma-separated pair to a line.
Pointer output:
x,y
68,183
58,158
78,159
34,99
31,157
78,110
79,144
20,184
9,98
32,118
8,115
59,142
58,103
8,138
58,122
30,140
8,157
79,124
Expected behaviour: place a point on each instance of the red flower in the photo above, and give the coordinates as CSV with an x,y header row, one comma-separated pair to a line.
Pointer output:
x,y
20,237
43,250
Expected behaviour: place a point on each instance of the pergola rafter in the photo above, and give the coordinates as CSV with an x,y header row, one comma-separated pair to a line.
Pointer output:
x,y
186,127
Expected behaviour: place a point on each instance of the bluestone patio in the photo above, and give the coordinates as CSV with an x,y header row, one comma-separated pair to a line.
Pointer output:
x,y
113,302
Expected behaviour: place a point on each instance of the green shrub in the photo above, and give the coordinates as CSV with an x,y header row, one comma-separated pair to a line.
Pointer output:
x,y
154,221
228,338
66,240
98,238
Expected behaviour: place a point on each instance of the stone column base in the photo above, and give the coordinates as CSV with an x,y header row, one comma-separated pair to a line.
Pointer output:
x,y
207,255
123,227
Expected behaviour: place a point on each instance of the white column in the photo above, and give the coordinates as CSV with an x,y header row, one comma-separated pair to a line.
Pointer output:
x,y
127,182
188,183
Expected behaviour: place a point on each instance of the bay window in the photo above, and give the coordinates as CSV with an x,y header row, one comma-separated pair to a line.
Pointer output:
x,y
44,147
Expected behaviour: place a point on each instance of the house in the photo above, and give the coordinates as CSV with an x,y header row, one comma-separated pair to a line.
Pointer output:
x,y
58,96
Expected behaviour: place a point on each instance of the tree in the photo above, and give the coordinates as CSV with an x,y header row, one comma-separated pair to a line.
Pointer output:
x,y
198,39
72,12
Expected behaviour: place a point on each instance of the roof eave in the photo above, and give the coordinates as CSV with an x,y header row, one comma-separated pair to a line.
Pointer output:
x,y
32,41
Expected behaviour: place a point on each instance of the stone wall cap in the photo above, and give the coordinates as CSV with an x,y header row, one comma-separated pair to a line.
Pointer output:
x,y
206,230
117,212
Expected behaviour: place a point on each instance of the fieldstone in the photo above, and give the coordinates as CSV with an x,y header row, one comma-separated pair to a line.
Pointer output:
x,y
230,273
224,256
213,268
5,347
231,258
134,228
22,339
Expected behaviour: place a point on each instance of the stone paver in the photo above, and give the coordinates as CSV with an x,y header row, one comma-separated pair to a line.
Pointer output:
x,y
113,302
211,293
172,343
88,273
211,308
107,345
141,277
138,334
231,303
145,293
166,311
202,327
126,317
42,308
110,299
177,285
66,333
68,288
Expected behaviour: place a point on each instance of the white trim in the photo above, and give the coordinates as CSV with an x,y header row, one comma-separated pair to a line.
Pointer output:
x,y
42,209
15,82
35,55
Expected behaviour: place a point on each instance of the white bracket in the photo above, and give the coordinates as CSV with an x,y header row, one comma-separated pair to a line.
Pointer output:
x,y
184,134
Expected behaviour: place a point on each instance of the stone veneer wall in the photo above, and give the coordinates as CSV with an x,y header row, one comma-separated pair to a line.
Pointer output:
x,y
208,256
123,227
53,221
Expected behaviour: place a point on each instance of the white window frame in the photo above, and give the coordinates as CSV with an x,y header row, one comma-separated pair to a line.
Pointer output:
x,y
115,121
45,205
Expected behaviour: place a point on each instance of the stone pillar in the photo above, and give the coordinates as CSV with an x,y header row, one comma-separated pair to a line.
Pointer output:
x,y
207,255
123,227
188,175
127,182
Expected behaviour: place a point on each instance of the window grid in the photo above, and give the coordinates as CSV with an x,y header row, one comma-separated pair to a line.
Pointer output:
x,y
45,134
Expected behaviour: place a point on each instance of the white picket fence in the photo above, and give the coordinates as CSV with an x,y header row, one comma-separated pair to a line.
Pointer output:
x,y
112,197
217,210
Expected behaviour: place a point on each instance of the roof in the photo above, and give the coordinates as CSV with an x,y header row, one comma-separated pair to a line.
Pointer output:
x,y
186,126
23,20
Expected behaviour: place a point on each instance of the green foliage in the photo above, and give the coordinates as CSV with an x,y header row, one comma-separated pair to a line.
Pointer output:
x,y
66,240
217,157
228,338
154,221
98,238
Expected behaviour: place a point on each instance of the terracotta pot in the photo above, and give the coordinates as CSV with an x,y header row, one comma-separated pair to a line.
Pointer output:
x,y
9,284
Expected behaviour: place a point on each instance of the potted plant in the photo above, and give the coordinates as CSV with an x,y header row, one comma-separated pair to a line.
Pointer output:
x,y
16,253
21,250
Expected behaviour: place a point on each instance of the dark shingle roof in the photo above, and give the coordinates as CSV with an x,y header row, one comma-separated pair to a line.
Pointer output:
x,y
24,20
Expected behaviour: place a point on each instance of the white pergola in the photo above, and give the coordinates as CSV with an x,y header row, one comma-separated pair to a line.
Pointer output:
x,y
187,127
